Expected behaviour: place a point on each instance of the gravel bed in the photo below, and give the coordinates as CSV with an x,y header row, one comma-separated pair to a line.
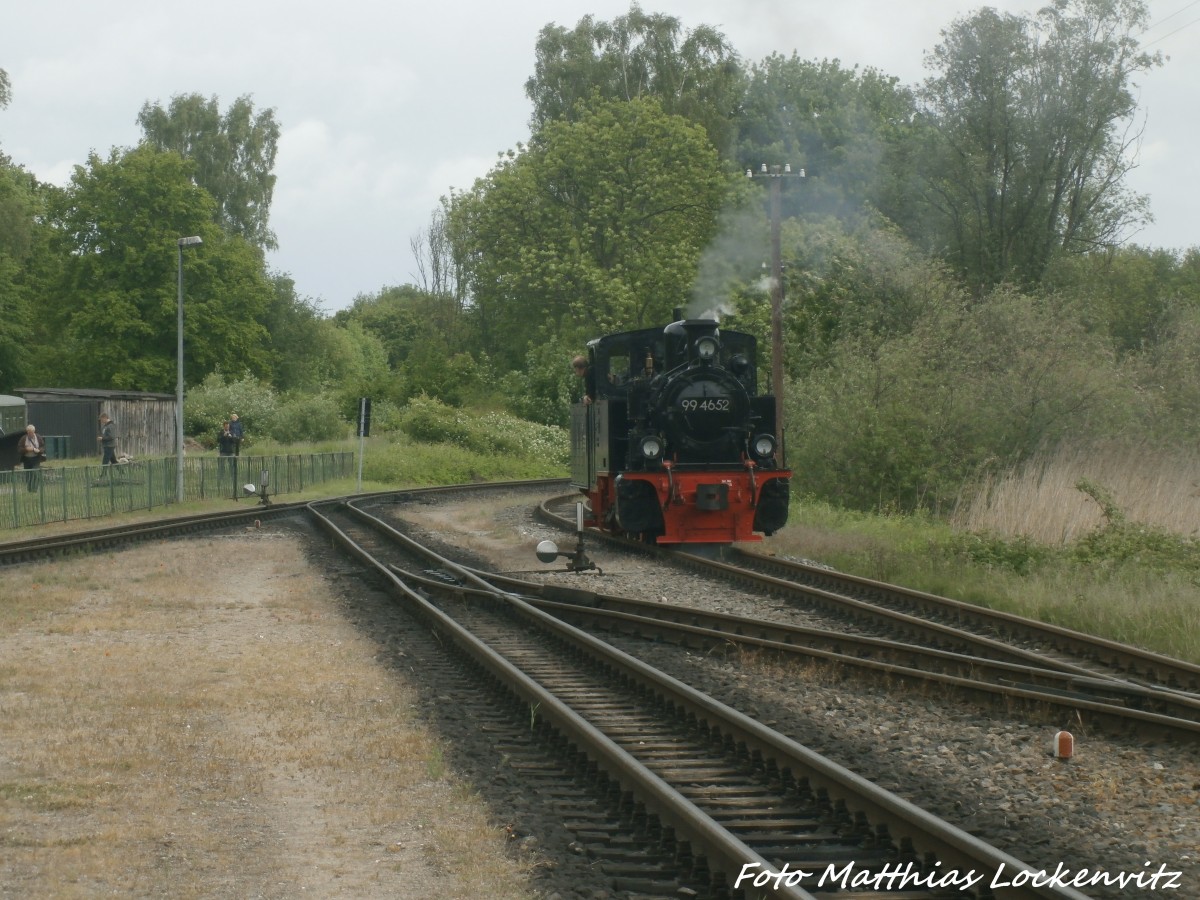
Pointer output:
x,y
1120,806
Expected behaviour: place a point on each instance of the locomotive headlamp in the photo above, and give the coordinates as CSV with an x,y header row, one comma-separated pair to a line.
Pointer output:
x,y
651,447
706,348
763,446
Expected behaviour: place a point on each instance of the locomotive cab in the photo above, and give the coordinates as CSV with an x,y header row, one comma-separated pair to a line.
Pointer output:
x,y
677,444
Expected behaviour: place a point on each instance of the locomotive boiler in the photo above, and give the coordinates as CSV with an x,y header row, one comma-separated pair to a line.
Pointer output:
x,y
674,443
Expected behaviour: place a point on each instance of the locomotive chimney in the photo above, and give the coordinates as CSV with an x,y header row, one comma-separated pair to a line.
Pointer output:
x,y
678,313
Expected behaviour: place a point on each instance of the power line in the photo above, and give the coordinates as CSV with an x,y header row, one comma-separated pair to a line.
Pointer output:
x,y
1171,16
1177,12
1169,33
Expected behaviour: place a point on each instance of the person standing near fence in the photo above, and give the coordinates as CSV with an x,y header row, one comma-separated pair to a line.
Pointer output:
x,y
235,428
108,440
226,451
31,452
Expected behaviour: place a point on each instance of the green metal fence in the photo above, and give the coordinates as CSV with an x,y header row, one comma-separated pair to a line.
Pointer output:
x,y
57,494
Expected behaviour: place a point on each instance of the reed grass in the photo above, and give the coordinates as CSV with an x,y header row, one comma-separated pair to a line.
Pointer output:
x,y
1042,500
1100,540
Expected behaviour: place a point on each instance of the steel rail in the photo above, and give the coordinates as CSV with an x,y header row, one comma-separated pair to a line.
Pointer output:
x,y
1166,672
1104,700
109,537
1171,674
905,821
115,536
725,852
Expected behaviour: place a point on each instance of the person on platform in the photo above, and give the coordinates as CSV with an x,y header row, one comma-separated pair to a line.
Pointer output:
x,y
238,432
108,440
226,451
31,453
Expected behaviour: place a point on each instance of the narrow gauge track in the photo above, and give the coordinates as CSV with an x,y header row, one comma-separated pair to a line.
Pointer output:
x,y
1119,706
111,537
937,621
719,791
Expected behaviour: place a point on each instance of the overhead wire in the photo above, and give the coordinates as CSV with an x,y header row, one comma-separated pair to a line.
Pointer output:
x,y
1177,12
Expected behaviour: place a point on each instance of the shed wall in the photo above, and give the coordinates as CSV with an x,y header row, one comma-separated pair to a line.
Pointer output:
x,y
145,426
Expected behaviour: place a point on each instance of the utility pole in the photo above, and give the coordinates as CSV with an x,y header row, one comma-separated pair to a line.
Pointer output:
x,y
776,174
182,242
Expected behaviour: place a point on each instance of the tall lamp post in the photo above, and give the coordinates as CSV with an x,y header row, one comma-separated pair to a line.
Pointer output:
x,y
183,242
776,174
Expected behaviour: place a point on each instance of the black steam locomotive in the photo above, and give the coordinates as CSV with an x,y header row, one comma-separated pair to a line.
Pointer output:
x,y
674,444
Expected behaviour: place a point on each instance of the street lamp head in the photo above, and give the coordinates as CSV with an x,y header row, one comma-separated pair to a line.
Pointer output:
x,y
190,241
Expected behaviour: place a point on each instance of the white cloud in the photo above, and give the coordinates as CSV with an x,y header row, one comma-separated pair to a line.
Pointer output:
x,y
384,108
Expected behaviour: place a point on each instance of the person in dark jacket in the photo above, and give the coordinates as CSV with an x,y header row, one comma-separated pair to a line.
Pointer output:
x,y
108,440
31,451
227,446
579,365
226,440
238,432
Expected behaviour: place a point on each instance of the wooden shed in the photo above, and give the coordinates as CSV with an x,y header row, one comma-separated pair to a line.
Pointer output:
x,y
67,419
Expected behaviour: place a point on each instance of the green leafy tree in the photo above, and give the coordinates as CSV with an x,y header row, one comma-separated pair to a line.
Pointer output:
x,y
18,239
845,127
902,421
695,74
296,326
1133,293
1031,124
1167,374
597,226
545,387
112,310
290,418
440,275
357,367
866,282
434,370
403,318
209,403
234,157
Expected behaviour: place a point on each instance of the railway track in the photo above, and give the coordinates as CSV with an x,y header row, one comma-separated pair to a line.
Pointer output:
x,y
112,537
738,807
919,636
1118,706
1058,647
652,855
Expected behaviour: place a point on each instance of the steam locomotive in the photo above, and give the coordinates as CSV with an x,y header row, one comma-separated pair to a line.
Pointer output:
x,y
674,444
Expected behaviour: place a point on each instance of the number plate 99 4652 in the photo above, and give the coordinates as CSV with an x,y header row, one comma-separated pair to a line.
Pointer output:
x,y
711,404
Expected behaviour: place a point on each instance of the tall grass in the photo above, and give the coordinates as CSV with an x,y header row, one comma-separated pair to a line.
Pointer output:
x,y
1042,499
1099,540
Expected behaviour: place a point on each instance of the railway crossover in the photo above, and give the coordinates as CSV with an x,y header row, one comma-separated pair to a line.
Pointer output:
x,y
738,807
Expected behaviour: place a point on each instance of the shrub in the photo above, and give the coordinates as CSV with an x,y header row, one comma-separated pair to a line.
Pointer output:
x,y
426,419
209,404
410,463
543,390
310,418
1020,554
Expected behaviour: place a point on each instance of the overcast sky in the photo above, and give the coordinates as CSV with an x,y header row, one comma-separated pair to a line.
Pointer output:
x,y
386,106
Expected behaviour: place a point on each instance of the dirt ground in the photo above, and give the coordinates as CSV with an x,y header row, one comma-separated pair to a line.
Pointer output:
x,y
203,718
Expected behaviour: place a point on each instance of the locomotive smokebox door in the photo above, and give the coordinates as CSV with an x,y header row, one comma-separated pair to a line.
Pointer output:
x,y
712,496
